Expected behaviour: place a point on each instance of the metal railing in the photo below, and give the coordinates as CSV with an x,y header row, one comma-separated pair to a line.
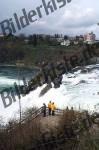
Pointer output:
x,y
35,114
39,112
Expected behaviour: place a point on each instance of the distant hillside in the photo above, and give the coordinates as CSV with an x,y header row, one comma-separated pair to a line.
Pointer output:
x,y
13,51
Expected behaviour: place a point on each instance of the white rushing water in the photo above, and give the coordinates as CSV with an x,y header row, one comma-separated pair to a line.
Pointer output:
x,y
79,90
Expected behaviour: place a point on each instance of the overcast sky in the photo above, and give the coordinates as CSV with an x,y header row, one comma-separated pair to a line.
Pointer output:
x,y
77,17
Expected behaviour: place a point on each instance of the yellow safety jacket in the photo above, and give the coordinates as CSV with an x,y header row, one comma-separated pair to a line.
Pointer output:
x,y
49,105
53,107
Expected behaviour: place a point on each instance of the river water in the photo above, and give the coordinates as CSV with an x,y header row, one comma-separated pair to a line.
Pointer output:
x,y
11,74
79,89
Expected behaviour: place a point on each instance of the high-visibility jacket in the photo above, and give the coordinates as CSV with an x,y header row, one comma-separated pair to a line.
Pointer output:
x,y
49,105
53,107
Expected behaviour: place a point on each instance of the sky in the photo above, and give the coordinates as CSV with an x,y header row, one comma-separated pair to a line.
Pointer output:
x,y
75,18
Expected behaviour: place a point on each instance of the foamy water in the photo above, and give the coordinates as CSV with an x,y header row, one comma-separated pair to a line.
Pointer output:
x,y
78,90
6,81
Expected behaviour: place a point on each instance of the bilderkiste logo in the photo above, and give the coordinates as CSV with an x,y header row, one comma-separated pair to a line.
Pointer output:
x,y
53,72
16,23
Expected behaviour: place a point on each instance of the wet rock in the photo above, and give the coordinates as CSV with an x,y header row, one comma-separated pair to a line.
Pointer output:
x,y
84,71
83,81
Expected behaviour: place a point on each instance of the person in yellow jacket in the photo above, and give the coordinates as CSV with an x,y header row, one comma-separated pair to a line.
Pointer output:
x,y
49,107
53,107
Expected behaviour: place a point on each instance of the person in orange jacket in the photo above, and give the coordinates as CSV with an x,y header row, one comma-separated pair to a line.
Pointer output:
x,y
49,107
53,107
